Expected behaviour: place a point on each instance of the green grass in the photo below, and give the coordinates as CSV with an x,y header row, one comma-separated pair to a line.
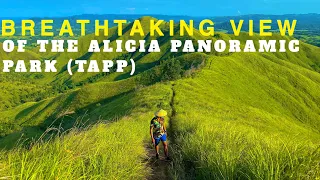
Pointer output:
x,y
241,115
102,151
249,118
105,150
231,151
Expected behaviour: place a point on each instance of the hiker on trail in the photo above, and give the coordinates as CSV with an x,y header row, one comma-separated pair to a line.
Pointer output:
x,y
158,132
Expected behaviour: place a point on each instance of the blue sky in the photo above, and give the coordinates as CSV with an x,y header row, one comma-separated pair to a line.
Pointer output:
x,y
40,8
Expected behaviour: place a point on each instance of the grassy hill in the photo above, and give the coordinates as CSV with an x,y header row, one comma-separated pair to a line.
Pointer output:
x,y
240,115
247,116
114,150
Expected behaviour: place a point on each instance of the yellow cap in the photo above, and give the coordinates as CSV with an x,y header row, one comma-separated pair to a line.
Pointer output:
x,y
160,113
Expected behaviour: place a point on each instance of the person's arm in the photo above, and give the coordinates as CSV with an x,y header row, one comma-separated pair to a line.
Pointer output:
x,y
151,134
165,129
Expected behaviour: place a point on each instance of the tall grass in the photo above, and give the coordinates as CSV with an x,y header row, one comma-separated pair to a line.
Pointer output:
x,y
107,150
247,118
110,151
234,152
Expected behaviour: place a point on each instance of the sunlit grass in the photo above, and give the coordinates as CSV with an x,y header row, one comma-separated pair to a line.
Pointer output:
x,y
237,120
113,149
102,151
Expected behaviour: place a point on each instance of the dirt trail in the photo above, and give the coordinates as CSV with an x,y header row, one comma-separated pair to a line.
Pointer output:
x,y
160,167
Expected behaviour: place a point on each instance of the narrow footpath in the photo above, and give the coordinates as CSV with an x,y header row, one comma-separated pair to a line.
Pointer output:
x,y
160,167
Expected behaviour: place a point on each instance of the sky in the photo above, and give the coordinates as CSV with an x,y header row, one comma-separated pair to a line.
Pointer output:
x,y
55,8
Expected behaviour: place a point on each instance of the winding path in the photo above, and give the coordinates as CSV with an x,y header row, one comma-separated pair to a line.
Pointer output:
x,y
160,167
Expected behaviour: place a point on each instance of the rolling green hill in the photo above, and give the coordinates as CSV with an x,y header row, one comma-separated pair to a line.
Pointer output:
x,y
243,108
232,115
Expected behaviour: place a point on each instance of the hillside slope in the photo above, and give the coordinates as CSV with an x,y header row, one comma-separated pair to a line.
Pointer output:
x,y
248,116
114,150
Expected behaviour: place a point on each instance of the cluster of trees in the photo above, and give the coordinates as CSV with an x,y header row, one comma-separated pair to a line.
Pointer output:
x,y
173,69
17,88
309,37
16,93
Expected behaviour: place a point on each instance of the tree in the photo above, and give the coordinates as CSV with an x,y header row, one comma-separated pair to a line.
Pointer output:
x,y
171,70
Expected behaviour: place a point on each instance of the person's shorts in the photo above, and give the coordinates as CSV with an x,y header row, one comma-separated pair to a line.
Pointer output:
x,y
162,138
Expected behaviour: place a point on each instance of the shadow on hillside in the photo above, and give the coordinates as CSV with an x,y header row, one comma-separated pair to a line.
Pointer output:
x,y
53,126
28,110
61,108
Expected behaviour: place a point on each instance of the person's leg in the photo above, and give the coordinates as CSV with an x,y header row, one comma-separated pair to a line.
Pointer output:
x,y
157,141
165,145
165,148
157,149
